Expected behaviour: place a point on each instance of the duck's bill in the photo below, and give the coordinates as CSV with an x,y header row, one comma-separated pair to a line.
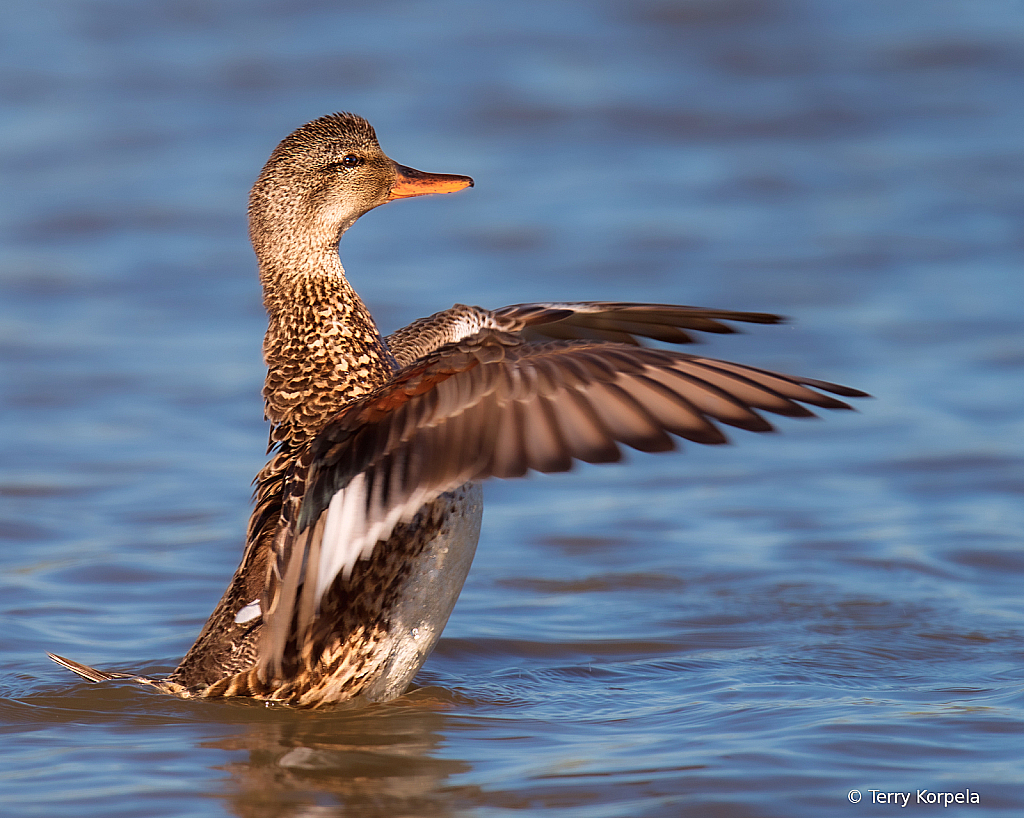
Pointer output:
x,y
412,182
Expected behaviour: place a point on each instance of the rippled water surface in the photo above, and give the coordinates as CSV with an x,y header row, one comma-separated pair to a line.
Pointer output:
x,y
752,630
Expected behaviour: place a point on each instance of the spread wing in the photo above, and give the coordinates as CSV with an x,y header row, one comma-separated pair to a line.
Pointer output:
x,y
620,321
624,322
494,406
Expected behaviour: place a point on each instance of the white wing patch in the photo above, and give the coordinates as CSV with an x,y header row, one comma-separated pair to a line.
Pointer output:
x,y
350,533
249,612
345,534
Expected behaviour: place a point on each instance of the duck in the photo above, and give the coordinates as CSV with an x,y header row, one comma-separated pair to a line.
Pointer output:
x,y
367,514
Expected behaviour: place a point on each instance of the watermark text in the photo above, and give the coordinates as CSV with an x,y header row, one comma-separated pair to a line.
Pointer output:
x,y
905,799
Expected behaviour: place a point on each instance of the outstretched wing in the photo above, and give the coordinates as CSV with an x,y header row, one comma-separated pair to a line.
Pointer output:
x,y
620,321
624,322
493,406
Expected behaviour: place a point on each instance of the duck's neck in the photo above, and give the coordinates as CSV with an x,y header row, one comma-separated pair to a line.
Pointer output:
x,y
322,348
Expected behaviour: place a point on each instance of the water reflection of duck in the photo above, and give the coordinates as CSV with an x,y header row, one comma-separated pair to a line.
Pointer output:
x,y
368,513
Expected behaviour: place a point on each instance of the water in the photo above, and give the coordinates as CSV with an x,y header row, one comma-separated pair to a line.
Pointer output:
x,y
747,631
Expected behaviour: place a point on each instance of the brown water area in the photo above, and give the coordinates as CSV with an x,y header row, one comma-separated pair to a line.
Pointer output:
x,y
753,630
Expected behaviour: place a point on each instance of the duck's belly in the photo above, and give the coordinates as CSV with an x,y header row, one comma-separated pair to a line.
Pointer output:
x,y
422,599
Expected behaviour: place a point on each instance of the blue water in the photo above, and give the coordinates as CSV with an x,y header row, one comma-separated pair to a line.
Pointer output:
x,y
753,630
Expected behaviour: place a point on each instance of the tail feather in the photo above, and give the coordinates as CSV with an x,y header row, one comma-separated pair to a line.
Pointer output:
x,y
86,672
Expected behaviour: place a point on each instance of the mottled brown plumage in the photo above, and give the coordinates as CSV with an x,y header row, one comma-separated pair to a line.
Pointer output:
x,y
367,515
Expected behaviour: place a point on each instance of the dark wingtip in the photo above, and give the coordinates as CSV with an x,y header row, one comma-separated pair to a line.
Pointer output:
x,y
850,392
765,318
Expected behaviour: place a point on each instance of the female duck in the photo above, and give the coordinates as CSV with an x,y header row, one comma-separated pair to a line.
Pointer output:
x,y
367,516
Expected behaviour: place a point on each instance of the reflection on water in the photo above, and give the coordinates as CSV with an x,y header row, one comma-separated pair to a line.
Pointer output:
x,y
375,761
746,631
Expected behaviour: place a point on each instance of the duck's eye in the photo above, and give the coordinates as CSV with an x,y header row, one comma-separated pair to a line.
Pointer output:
x,y
348,161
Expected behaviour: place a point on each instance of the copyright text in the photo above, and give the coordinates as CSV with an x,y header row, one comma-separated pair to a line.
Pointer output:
x,y
903,799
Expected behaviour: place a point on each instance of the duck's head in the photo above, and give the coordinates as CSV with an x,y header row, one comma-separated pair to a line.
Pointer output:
x,y
322,178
